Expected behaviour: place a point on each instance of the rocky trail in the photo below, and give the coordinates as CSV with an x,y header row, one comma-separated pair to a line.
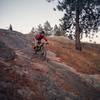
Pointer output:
x,y
27,77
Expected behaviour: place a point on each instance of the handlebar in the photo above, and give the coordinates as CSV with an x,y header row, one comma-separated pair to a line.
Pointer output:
x,y
44,43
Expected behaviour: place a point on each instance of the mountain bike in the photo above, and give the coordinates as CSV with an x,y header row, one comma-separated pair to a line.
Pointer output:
x,y
40,51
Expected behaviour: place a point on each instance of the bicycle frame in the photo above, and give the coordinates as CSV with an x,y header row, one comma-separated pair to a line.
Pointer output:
x,y
41,51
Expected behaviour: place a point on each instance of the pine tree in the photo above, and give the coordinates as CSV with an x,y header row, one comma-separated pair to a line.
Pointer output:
x,y
40,28
47,28
83,16
32,30
10,27
57,30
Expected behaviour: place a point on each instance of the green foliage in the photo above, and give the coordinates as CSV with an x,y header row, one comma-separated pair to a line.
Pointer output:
x,y
47,28
10,27
40,28
80,16
58,31
89,14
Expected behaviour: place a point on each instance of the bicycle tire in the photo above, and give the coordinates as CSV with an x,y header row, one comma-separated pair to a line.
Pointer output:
x,y
41,52
44,55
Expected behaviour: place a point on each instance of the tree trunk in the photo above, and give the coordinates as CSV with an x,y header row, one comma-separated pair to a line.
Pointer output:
x,y
77,32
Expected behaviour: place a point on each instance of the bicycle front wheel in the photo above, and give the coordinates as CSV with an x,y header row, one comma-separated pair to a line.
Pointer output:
x,y
43,53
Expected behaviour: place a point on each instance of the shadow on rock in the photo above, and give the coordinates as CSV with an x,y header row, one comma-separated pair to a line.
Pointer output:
x,y
6,53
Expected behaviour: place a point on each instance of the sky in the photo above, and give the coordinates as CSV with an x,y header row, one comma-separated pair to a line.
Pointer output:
x,y
25,14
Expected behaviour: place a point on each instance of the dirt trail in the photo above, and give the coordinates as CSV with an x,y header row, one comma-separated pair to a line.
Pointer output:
x,y
30,78
85,91
42,80
57,71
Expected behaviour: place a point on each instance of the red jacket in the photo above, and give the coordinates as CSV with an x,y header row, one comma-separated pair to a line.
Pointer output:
x,y
40,37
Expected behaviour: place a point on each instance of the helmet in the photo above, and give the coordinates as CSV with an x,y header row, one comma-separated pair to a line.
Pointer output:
x,y
42,32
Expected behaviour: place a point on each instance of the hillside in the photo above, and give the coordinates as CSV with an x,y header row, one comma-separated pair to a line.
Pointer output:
x,y
16,41
87,61
61,78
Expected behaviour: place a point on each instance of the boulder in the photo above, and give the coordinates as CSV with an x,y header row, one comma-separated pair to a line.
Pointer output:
x,y
6,53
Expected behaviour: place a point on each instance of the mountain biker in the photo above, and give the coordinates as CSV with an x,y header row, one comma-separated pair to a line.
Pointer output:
x,y
38,37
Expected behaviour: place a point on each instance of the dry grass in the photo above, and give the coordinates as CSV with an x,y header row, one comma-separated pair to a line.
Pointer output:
x,y
87,61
